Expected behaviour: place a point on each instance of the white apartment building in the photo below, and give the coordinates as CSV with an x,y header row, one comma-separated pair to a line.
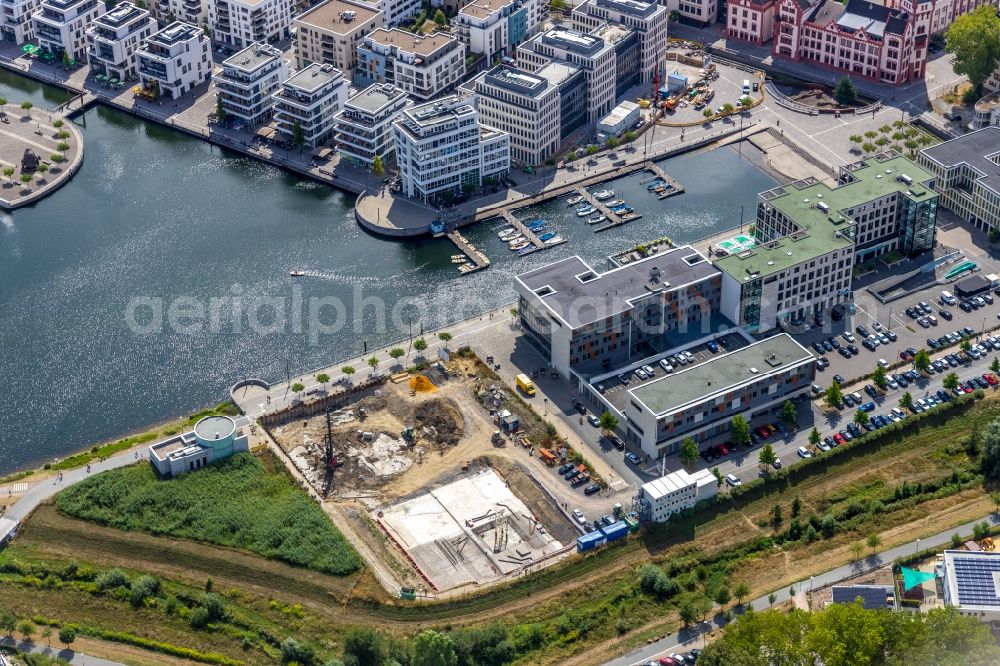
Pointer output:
x,y
523,105
398,12
115,37
495,27
175,60
16,25
193,12
423,66
966,177
590,53
648,20
245,22
61,25
700,12
248,82
364,127
331,32
310,100
663,497
441,147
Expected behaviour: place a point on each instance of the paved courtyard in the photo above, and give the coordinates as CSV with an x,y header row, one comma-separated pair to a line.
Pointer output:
x,y
32,129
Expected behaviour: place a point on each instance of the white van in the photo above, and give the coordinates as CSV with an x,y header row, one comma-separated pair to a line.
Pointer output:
x,y
947,298
746,86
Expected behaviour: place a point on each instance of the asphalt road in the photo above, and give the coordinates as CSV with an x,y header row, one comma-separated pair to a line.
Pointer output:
x,y
688,638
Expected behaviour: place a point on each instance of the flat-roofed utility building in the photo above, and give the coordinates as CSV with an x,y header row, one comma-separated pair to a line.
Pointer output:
x,y
114,38
330,33
310,100
584,321
700,401
248,82
809,236
524,105
971,582
364,127
590,53
661,498
967,177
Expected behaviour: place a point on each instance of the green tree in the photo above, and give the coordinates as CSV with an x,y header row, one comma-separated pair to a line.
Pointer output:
x,y
42,168
845,93
950,381
396,352
689,452
995,365
708,113
966,344
857,549
46,634
796,507
789,416
741,430
718,476
440,18
294,652
722,595
378,168
8,622
26,178
57,123
298,136
66,636
861,418
298,387
348,370
995,496
571,156
591,149
994,236
868,147
373,363
771,598
767,457
727,108
26,105
974,41
323,378
906,401
740,592
220,110
814,437
57,157
776,517
364,647
990,456
873,541
922,360
834,397
608,422
433,649
63,146
26,629
444,336
420,344
8,172
557,5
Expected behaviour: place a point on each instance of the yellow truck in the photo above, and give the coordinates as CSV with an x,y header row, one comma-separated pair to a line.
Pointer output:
x,y
526,385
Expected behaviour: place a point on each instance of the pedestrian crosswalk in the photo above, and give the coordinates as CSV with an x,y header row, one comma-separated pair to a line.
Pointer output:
x,y
18,488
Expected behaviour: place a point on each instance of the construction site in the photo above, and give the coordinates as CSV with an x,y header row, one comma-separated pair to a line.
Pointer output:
x,y
420,468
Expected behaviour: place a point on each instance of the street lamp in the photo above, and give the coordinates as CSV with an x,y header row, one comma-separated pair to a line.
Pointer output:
x,y
918,547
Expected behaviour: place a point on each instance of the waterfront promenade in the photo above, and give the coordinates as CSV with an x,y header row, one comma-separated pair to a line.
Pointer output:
x,y
59,151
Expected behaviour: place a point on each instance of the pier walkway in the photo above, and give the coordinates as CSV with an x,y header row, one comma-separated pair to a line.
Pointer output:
x,y
675,186
536,242
613,218
475,255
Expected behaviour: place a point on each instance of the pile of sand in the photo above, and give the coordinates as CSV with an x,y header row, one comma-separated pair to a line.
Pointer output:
x,y
421,384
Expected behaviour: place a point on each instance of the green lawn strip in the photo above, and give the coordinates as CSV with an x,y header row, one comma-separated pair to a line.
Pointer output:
x,y
244,501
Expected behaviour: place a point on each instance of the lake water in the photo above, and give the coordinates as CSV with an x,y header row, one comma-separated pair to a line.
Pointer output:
x,y
158,276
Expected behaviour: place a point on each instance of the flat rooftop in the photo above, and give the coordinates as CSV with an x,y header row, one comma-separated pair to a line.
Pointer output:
x,y
314,76
558,72
721,374
376,97
573,40
483,9
439,110
577,295
822,231
973,579
338,16
252,57
679,480
980,150
410,43
120,15
635,8
215,427
517,81
175,33
619,113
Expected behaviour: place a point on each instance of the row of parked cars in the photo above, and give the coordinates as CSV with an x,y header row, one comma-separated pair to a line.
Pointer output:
x,y
578,476
668,365
677,659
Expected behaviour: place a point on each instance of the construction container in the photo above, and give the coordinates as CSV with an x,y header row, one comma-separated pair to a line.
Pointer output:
x,y
408,593
633,525
590,541
615,531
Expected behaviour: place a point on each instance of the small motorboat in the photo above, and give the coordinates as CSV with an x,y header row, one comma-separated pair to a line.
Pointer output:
x,y
547,235
516,240
572,201
597,220
509,231
555,239
585,212
296,273
535,227
621,210
656,183
604,194
458,259
520,246
527,250
616,202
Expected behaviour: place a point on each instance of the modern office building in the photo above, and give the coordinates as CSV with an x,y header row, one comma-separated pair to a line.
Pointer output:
x,y
330,33
586,322
572,84
590,53
364,127
114,38
16,25
966,176
808,237
971,582
214,438
441,147
309,102
248,82
859,37
524,105
699,401
423,66
245,22
61,25
647,20
175,60
750,20
494,28
661,498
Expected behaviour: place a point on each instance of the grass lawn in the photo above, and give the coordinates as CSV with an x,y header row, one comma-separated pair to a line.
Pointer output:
x,y
246,501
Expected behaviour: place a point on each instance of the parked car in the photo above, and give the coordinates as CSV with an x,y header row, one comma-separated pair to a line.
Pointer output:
x,y
666,366
804,452
640,374
733,480
623,378
847,336
839,439
578,517
839,379
712,346
632,458
648,370
945,314
871,390
592,489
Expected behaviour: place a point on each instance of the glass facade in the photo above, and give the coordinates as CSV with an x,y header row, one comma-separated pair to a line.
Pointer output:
x,y
917,224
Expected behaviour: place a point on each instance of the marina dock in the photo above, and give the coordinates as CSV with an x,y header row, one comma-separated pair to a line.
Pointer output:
x,y
477,259
536,242
674,186
613,218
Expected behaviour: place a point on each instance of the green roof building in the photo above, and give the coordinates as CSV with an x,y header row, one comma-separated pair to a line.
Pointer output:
x,y
808,236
